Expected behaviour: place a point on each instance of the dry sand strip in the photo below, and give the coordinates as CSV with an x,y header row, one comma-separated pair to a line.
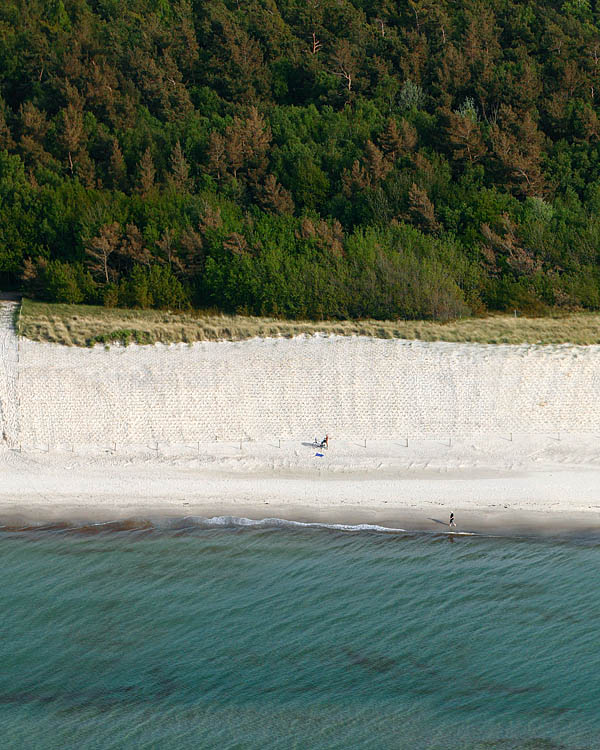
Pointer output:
x,y
491,484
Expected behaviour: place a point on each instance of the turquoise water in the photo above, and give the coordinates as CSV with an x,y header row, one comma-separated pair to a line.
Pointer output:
x,y
195,637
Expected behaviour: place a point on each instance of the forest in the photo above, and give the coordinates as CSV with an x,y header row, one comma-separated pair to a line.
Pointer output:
x,y
342,159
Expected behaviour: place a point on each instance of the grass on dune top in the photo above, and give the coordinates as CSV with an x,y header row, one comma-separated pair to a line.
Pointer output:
x,y
80,325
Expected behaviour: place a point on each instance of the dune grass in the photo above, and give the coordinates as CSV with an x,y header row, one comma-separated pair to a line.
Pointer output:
x,y
81,325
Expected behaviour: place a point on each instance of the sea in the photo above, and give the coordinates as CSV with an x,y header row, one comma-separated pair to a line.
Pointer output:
x,y
227,633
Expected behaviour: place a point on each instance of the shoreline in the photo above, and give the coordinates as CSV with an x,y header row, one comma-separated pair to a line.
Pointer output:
x,y
491,487
477,523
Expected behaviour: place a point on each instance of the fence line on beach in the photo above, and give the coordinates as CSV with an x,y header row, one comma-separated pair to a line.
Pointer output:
x,y
194,445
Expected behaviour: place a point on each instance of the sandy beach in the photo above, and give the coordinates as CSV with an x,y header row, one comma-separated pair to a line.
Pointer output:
x,y
530,483
503,436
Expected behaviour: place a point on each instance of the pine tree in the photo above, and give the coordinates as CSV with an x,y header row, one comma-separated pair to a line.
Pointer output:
x,y
117,168
591,124
422,208
34,127
256,141
307,229
86,169
517,145
391,139
166,244
146,173
133,247
465,134
6,139
210,219
331,237
241,66
72,134
274,197
192,251
453,74
398,141
355,179
100,248
344,63
236,243
377,165
179,171
506,242
217,155
234,146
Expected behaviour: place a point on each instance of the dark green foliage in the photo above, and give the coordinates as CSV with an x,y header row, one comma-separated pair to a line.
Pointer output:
x,y
153,287
302,159
124,336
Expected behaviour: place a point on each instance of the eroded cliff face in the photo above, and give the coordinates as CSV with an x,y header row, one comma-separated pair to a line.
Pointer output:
x,y
9,359
349,386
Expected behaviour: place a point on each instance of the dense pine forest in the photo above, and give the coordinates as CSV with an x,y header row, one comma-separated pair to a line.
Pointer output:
x,y
302,158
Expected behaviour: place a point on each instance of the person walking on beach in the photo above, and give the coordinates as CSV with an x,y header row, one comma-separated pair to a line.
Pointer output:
x,y
452,521
326,441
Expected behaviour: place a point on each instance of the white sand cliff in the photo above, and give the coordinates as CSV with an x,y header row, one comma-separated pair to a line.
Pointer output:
x,y
493,431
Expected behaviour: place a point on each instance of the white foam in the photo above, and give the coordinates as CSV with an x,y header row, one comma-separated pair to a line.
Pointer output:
x,y
270,523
